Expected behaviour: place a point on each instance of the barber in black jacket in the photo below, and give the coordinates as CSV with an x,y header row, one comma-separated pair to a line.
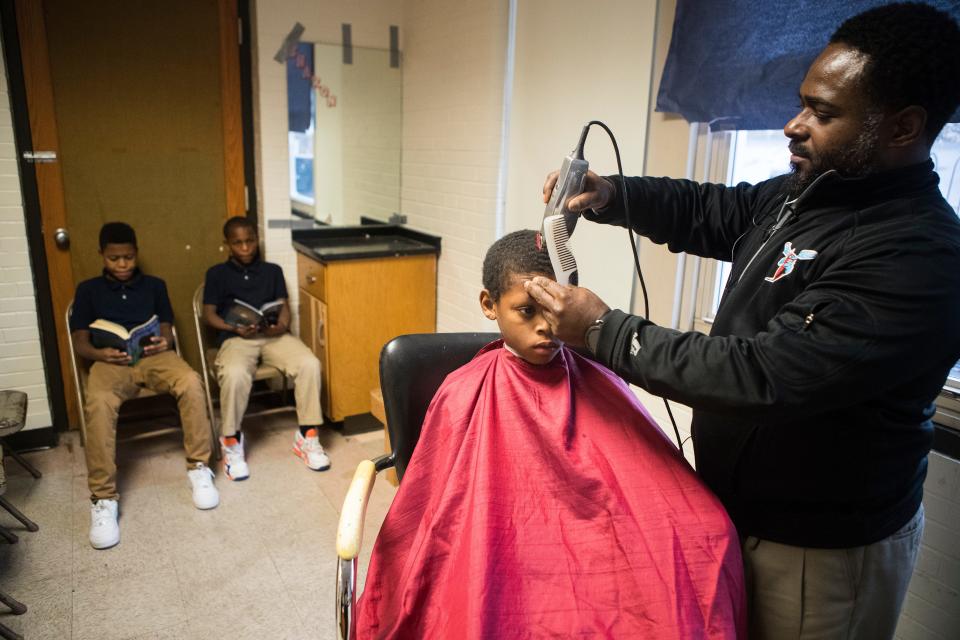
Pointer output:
x,y
813,393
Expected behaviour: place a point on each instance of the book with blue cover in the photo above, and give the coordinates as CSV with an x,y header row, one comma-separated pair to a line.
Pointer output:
x,y
104,334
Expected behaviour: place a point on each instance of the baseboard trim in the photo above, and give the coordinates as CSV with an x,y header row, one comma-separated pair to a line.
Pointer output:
x,y
42,438
946,441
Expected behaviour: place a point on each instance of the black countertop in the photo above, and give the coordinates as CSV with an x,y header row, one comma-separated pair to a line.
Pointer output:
x,y
371,240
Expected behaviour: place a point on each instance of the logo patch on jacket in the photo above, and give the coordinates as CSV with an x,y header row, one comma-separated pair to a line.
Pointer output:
x,y
789,260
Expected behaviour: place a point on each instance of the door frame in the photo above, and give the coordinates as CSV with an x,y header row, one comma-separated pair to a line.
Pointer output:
x,y
240,179
30,193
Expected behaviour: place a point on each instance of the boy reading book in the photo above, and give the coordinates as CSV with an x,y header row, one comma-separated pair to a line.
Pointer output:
x,y
241,314
543,501
125,297
247,283
104,333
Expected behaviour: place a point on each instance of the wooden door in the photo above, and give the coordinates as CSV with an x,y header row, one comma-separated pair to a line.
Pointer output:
x,y
141,103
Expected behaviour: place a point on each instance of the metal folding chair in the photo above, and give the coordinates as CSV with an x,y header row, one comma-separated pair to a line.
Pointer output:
x,y
81,369
13,417
208,359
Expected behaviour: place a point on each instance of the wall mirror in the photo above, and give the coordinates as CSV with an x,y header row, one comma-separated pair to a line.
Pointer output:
x,y
345,123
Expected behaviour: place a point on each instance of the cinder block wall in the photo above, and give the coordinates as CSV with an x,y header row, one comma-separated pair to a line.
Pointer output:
x,y
21,362
454,61
932,608
372,137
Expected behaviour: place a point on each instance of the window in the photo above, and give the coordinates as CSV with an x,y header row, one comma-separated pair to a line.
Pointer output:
x,y
759,155
755,156
301,164
946,159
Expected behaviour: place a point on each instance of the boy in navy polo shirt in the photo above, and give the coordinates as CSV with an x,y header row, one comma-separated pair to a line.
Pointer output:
x,y
124,295
244,276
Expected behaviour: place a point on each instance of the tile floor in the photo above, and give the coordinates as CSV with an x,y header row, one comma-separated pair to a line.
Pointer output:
x,y
259,566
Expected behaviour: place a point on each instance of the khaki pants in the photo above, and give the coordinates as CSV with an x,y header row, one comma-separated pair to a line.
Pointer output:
x,y
108,385
796,592
237,362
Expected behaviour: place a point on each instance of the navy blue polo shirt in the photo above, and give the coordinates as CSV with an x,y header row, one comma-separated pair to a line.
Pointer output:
x,y
127,303
256,284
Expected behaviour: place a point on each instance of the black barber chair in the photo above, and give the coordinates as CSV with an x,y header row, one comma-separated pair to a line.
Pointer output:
x,y
412,368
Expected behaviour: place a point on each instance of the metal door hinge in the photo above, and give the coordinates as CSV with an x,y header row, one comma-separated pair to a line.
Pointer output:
x,y
40,156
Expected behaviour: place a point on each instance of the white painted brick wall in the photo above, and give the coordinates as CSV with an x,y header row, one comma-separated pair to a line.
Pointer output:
x,y
372,128
932,607
454,61
21,363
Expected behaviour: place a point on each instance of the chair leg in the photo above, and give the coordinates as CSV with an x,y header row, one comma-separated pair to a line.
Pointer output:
x,y
215,453
16,607
8,535
214,425
20,459
27,522
9,634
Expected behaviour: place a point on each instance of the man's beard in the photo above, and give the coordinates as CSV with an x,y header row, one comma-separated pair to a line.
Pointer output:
x,y
853,161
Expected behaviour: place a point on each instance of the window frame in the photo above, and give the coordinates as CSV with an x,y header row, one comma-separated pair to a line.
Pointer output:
x,y
708,274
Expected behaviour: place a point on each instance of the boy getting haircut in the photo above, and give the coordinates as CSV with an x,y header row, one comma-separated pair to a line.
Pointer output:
x,y
124,295
543,499
514,254
510,261
246,278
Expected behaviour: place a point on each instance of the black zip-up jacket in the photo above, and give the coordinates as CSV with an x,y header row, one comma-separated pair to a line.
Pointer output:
x,y
813,393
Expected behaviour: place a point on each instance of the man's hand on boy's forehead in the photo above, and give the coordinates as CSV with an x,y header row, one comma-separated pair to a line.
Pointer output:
x,y
569,310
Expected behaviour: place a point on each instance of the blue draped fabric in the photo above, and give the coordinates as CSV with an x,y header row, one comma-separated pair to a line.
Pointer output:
x,y
743,60
299,86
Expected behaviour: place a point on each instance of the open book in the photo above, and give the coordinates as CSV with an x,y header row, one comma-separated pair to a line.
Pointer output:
x,y
241,314
104,333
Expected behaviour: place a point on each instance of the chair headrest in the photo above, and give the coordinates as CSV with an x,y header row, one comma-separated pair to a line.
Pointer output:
x,y
412,368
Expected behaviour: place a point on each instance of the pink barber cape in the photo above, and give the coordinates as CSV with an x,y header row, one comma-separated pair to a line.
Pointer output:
x,y
544,502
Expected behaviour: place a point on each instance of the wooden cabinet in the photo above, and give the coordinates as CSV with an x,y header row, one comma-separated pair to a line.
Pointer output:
x,y
313,327
350,308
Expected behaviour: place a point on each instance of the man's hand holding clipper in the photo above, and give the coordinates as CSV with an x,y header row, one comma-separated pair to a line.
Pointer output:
x,y
597,193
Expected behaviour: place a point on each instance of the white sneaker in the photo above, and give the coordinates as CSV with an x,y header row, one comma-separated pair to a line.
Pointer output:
x,y
205,495
104,530
234,463
309,450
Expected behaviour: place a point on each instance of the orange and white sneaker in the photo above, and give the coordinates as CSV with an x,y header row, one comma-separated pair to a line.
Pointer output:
x,y
234,463
308,448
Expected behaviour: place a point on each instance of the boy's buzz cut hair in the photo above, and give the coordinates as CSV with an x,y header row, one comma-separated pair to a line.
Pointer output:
x,y
513,254
117,233
237,222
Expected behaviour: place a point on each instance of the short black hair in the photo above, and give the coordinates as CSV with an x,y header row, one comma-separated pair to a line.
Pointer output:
x,y
513,254
913,55
117,233
237,222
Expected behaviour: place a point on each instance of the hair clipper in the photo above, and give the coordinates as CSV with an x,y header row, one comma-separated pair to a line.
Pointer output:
x,y
558,221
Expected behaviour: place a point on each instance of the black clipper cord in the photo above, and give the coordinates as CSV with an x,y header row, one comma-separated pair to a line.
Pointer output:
x,y
633,247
